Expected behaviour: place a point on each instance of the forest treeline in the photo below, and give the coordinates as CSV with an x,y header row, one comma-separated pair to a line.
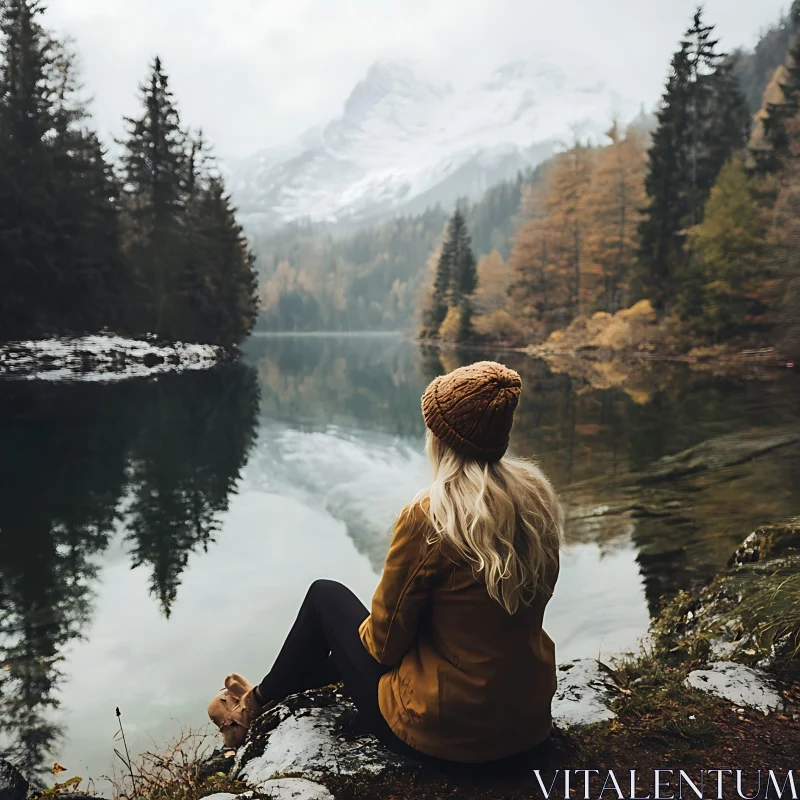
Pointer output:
x,y
149,245
370,279
681,209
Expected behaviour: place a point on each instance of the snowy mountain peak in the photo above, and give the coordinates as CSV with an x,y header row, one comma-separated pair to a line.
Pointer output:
x,y
404,142
542,76
387,79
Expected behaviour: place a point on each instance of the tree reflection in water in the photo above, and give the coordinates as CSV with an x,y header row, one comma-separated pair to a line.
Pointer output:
x,y
156,460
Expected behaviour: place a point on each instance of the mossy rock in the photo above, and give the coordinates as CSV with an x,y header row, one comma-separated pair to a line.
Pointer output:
x,y
749,614
769,541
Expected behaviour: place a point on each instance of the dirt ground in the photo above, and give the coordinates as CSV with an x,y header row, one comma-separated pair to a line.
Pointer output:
x,y
723,737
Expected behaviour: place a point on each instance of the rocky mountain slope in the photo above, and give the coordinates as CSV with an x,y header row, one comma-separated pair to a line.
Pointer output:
x,y
404,143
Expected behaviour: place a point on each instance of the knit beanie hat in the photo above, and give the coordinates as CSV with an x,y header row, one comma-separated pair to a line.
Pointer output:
x,y
472,409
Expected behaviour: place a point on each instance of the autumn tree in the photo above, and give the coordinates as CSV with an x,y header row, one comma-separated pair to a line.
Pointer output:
x,y
550,281
568,212
615,201
531,290
784,242
492,279
782,102
724,281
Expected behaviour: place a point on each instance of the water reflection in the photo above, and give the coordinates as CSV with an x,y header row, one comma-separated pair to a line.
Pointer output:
x,y
229,491
595,429
157,459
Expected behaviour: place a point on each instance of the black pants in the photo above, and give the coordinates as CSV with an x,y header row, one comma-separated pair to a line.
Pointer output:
x,y
324,647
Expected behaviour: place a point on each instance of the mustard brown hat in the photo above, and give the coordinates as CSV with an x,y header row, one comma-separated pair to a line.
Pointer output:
x,y
471,409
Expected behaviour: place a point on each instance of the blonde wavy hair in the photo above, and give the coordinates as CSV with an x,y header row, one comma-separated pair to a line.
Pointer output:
x,y
503,517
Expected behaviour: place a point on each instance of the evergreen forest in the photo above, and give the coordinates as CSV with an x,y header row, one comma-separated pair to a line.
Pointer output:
x,y
147,245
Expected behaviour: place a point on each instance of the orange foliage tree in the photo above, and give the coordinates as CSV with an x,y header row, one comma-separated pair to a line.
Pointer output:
x,y
616,199
784,237
575,253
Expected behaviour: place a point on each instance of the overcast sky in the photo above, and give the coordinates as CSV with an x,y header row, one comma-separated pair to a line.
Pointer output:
x,y
255,73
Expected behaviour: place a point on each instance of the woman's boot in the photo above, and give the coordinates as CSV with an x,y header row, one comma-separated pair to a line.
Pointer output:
x,y
234,709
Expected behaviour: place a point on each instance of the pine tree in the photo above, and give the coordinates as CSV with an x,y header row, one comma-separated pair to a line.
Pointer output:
x,y
155,182
728,122
93,281
27,225
701,123
59,243
465,277
221,289
456,275
703,61
443,279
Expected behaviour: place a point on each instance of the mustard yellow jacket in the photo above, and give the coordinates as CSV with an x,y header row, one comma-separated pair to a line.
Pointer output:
x,y
470,682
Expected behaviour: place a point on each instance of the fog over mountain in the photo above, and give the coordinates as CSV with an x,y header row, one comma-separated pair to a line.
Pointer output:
x,y
404,142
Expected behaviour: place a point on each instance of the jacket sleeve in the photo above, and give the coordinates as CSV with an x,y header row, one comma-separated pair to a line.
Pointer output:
x,y
403,592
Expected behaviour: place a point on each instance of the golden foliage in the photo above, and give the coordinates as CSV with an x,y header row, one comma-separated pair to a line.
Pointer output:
x,y
630,329
784,238
616,198
498,326
450,330
493,279
576,250
773,94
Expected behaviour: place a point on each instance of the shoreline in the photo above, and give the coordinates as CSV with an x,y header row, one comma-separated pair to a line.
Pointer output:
x,y
103,357
743,358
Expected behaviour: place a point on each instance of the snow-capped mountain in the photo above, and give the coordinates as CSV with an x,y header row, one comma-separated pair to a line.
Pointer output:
x,y
403,143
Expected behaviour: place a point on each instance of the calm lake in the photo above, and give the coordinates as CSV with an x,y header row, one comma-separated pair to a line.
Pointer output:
x,y
158,534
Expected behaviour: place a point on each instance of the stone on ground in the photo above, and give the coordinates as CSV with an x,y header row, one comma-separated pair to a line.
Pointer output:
x,y
293,789
279,789
582,695
741,685
310,734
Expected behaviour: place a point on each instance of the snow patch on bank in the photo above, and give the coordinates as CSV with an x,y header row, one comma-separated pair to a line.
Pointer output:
x,y
741,685
280,789
101,357
309,742
582,695
294,789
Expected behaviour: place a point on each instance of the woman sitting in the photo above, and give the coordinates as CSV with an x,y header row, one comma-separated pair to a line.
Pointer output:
x,y
452,663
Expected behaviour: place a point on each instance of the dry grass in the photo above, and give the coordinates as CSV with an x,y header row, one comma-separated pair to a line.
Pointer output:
x,y
172,774
770,610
